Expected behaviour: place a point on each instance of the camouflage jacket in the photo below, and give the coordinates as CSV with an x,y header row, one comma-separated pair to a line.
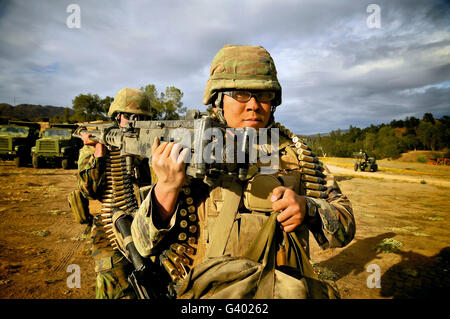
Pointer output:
x,y
91,175
334,224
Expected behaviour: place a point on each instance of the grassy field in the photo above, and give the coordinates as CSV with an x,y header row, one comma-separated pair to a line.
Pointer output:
x,y
401,215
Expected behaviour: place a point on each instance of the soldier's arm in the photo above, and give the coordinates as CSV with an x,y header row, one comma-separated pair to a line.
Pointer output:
x,y
156,215
331,220
147,235
91,172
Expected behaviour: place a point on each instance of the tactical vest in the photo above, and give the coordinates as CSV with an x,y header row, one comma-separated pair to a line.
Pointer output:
x,y
198,226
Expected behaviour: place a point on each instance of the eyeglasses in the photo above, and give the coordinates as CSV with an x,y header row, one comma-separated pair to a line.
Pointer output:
x,y
245,96
136,117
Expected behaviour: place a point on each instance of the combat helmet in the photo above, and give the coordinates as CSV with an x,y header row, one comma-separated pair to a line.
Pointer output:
x,y
130,101
242,67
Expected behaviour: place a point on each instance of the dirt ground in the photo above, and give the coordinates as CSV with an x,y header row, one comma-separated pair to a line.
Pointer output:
x,y
404,204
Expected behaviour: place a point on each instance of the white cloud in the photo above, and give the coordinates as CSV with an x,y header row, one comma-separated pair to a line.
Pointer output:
x,y
335,72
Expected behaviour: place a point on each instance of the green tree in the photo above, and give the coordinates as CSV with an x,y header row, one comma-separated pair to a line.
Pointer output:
x,y
370,142
425,132
173,107
88,107
106,103
428,117
388,144
166,105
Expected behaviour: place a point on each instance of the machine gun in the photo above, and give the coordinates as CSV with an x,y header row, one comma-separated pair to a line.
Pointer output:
x,y
211,155
207,139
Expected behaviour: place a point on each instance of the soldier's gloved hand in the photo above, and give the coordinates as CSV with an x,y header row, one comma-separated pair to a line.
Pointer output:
x,y
168,163
291,205
100,149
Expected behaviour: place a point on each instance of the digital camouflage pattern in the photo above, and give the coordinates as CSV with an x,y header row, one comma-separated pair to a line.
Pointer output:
x,y
242,67
130,101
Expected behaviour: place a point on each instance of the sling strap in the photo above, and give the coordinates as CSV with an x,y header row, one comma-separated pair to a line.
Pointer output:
x,y
231,194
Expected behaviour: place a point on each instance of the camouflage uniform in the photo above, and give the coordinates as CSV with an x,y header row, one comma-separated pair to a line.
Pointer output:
x,y
329,212
111,266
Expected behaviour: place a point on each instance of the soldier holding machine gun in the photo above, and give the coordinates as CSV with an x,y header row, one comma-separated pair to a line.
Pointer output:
x,y
190,223
202,209
105,175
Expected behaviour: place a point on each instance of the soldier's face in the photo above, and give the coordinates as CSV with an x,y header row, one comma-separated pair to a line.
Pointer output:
x,y
249,114
123,120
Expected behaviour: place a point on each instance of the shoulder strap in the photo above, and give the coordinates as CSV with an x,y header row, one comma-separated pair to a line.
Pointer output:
x,y
219,235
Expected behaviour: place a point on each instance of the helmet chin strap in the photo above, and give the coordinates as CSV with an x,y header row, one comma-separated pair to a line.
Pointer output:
x,y
218,104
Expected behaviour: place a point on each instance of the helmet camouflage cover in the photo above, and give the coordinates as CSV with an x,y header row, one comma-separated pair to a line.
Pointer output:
x,y
242,67
130,101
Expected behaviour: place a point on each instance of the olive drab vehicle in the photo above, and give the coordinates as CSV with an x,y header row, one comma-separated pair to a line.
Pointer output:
x,y
363,162
16,140
56,146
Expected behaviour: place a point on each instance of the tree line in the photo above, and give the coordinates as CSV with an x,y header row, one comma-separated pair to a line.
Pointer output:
x,y
165,105
386,140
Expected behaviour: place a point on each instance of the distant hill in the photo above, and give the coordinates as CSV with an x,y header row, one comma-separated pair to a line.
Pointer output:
x,y
31,112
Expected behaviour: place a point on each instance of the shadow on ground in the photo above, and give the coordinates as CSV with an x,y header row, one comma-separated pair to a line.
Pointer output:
x,y
418,276
415,276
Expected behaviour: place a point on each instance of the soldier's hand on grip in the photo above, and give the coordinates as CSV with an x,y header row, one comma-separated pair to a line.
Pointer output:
x,y
168,163
100,149
291,205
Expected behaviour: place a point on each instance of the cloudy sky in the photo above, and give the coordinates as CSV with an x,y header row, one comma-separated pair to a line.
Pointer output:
x,y
338,64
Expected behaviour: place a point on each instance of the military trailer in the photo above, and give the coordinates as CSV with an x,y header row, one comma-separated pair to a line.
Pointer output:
x,y
16,140
363,161
56,147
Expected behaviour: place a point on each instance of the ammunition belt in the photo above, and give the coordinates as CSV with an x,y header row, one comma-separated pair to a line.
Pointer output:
x,y
312,178
178,259
119,192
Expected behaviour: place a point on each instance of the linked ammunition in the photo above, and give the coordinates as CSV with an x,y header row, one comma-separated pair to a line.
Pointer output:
x,y
183,212
191,209
193,229
183,224
306,158
315,186
189,250
179,249
192,241
170,268
317,194
314,179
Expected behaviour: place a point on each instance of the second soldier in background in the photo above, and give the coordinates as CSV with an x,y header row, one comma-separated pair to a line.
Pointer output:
x,y
113,180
